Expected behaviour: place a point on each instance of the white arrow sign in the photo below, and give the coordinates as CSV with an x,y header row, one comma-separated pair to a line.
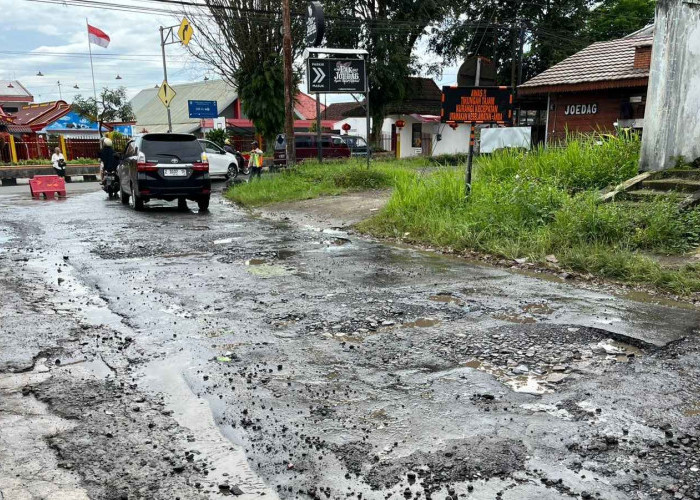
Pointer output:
x,y
320,75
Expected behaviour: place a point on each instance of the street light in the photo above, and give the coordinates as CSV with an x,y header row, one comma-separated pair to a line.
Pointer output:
x,y
76,86
10,86
206,78
40,74
118,77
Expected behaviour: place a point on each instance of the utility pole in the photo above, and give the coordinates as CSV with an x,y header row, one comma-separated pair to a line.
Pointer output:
x,y
472,137
288,84
60,96
520,56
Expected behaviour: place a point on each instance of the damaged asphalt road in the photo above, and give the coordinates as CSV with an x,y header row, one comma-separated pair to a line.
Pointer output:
x,y
164,354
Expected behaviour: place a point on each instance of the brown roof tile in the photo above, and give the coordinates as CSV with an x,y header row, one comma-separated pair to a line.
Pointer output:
x,y
601,62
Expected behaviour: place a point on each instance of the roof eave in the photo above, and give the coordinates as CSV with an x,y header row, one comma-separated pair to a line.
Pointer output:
x,y
584,86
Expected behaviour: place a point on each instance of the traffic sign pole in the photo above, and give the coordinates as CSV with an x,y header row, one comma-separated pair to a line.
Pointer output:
x,y
165,76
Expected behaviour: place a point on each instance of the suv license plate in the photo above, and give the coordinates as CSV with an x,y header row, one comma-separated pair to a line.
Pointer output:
x,y
175,172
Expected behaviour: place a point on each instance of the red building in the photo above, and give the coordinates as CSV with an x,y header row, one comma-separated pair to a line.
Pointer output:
x,y
602,87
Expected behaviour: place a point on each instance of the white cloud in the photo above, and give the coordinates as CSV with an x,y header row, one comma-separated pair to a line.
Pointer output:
x,y
53,39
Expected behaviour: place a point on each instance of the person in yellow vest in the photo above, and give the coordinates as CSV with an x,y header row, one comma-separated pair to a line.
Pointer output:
x,y
256,161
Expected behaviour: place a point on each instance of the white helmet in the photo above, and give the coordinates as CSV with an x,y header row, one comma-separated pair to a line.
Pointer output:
x,y
107,142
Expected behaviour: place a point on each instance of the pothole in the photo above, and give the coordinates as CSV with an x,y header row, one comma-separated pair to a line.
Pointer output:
x,y
421,323
446,298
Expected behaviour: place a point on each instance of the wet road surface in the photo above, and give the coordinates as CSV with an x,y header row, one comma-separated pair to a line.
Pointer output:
x,y
189,355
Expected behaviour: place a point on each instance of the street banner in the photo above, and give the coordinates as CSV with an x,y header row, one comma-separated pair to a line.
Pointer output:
x,y
477,105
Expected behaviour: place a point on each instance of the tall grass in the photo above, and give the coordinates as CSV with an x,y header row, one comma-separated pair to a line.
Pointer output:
x,y
546,202
312,179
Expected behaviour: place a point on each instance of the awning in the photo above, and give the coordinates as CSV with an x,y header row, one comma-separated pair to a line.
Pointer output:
x,y
426,118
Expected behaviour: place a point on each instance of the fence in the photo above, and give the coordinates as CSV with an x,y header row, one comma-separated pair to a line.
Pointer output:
x,y
384,143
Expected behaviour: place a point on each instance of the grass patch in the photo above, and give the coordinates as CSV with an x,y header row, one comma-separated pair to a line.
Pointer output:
x,y
312,179
44,161
546,202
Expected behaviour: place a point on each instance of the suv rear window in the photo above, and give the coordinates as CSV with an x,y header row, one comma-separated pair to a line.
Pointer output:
x,y
165,147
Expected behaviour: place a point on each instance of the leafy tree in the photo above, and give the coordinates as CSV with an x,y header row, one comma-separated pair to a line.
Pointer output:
x,y
388,30
617,18
242,41
111,106
217,136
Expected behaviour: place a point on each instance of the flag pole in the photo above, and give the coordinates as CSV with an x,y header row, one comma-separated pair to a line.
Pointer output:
x,y
92,69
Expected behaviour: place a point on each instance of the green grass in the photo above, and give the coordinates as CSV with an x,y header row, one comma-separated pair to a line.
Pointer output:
x,y
546,202
311,180
43,161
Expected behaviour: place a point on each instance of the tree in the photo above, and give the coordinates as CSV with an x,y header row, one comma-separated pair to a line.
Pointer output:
x,y
217,136
617,18
242,41
554,30
388,30
111,106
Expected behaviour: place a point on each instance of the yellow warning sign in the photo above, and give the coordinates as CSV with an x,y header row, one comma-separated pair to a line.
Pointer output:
x,y
166,93
184,33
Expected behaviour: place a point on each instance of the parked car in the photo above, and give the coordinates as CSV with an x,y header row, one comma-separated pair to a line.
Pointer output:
x,y
221,163
165,167
332,146
358,146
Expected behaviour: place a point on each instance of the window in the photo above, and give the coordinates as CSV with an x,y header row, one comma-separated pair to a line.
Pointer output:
x,y
168,147
305,141
211,148
416,134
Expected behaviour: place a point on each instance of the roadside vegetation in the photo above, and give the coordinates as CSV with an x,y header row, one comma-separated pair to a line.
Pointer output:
x,y
44,161
540,207
543,206
312,179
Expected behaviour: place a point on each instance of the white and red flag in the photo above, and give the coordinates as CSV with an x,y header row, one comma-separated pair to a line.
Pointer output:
x,y
97,36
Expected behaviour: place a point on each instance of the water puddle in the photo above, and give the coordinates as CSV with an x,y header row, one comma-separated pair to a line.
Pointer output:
x,y
421,323
528,384
286,254
260,268
224,241
338,242
549,409
542,309
514,318
255,262
446,298
621,351
693,411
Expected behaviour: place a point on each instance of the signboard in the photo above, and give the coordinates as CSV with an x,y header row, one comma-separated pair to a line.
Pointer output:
x,y
202,109
336,75
166,94
581,109
315,25
184,32
476,105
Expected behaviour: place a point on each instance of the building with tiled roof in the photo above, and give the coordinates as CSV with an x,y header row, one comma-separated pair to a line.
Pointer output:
x,y
39,115
596,89
13,95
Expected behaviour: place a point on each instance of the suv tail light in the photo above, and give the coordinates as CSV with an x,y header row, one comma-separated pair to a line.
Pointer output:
x,y
202,165
143,166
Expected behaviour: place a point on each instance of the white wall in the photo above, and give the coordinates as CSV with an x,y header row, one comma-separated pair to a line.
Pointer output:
x,y
671,118
358,126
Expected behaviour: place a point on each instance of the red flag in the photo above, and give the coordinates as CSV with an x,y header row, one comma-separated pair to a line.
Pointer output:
x,y
98,37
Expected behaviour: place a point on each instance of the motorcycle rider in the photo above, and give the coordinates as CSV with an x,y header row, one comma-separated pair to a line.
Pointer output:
x,y
228,148
107,160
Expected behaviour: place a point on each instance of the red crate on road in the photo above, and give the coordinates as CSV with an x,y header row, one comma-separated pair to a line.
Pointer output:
x,y
47,185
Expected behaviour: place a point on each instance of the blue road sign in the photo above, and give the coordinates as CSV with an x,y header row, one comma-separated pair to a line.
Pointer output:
x,y
202,109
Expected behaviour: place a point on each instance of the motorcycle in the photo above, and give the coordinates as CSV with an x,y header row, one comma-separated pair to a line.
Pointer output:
x,y
110,184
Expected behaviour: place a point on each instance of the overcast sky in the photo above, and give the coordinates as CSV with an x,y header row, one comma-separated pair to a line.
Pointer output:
x,y
53,39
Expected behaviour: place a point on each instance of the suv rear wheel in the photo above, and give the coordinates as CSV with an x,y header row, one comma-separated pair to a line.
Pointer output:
x,y
124,197
182,203
136,202
203,203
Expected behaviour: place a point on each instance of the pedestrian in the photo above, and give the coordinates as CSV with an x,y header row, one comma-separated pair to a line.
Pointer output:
x,y
58,162
107,161
256,161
